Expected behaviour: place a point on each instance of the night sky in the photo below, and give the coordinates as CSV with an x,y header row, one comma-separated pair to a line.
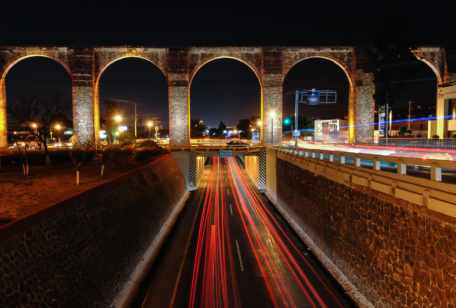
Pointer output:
x,y
224,89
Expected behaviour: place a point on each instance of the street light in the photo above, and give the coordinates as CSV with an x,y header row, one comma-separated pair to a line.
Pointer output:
x,y
57,127
272,115
150,125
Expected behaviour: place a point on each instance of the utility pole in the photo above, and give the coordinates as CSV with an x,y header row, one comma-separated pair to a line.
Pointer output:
x,y
410,113
135,115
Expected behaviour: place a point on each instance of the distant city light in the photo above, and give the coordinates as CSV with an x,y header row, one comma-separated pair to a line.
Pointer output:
x,y
118,118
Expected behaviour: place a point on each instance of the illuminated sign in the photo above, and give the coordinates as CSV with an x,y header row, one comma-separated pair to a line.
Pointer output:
x,y
68,132
313,97
447,92
123,128
381,121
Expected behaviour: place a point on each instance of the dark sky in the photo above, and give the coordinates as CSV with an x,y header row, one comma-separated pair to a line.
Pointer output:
x,y
223,89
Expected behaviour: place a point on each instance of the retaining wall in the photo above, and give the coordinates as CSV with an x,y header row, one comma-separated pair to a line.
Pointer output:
x,y
80,252
396,253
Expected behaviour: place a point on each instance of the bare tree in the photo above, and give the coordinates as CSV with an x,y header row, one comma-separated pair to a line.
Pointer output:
x,y
78,152
39,110
24,158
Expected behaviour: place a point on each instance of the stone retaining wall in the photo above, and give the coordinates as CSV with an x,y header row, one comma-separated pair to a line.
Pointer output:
x,y
80,252
394,255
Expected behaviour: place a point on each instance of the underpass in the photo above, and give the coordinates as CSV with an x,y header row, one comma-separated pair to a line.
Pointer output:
x,y
231,248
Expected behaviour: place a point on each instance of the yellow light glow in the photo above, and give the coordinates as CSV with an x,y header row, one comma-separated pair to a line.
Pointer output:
x,y
57,126
253,130
34,125
117,133
259,122
272,113
149,124
118,118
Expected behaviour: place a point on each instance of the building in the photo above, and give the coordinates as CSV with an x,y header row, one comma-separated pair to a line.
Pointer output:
x,y
335,130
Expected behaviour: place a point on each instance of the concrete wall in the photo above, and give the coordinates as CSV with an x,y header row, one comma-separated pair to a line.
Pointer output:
x,y
395,253
80,252
251,166
200,161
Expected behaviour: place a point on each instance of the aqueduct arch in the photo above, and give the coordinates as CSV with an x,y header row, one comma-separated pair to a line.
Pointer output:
x,y
340,61
202,63
110,59
179,64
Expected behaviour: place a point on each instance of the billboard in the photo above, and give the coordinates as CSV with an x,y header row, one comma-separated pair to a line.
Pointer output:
x,y
381,121
447,92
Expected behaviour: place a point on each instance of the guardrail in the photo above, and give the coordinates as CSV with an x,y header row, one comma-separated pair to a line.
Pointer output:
x,y
419,143
430,193
435,165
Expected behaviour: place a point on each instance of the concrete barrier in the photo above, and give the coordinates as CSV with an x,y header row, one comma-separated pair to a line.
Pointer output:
x,y
82,251
385,239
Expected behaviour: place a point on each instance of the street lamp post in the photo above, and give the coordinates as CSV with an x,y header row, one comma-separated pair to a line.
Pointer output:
x,y
57,127
150,125
118,119
272,114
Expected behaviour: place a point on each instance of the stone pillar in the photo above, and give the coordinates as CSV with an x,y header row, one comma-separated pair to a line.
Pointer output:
x,y
271,97
441,113
3,126
84,123
179,98
361,108
272,125
83,113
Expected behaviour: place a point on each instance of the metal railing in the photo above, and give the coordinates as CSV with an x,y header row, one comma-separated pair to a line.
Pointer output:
x,y
435,166
448,145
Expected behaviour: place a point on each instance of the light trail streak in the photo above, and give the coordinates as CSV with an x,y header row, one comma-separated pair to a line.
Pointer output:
x,y
213,253
214,281
262,214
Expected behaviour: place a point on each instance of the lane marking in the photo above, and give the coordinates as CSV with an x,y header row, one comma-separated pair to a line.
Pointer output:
x,y
231,209
186,249
239,253
228,191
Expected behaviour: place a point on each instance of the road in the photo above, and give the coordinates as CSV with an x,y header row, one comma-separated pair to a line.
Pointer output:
x,y
230,247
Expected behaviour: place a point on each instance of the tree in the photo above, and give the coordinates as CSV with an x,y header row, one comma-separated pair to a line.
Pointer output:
x,y
255,119
392,55
245,126
24,159
197,128
402,130
126,138
304,123
221,129
112,109
79,152
39,110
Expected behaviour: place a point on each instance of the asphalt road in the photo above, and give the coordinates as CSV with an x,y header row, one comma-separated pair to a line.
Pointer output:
x,y
230,247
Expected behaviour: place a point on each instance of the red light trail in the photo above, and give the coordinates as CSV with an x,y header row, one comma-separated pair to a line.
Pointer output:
x,y
214,282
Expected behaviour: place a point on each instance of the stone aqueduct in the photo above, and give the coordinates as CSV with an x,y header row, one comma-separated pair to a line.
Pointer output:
x,y
180,64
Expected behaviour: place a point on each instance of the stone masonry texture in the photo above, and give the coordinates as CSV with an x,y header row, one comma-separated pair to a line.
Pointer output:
x,y
83,256
395,256
180,64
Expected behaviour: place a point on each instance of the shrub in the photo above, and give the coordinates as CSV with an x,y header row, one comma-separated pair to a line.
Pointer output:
x,y
127,138
149,144
402,130
454,136
435,137
147,154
